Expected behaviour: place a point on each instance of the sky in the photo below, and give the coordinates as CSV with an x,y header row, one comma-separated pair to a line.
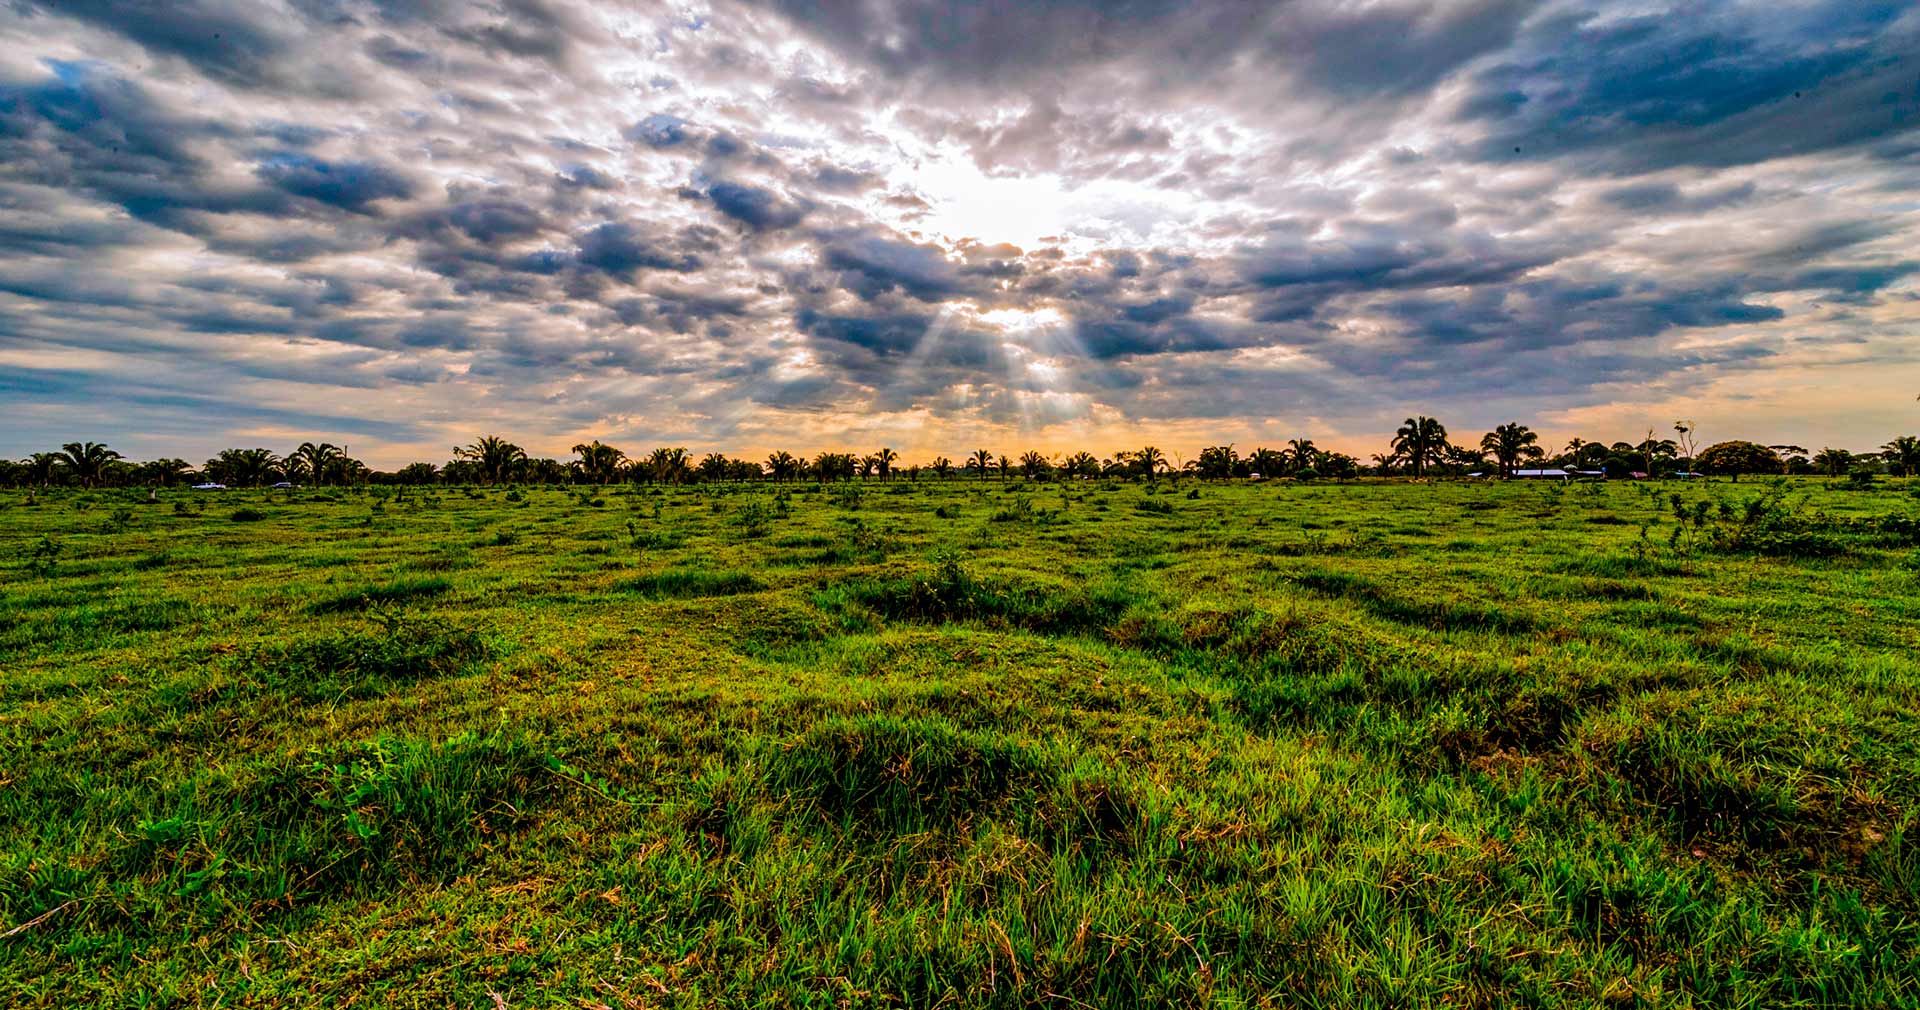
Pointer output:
x,y
803,225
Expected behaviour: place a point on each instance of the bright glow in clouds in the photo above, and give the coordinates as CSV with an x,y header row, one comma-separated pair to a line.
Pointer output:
x,y
1022,319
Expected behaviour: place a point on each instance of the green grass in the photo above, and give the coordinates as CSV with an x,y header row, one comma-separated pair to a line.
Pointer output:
x,y
963,744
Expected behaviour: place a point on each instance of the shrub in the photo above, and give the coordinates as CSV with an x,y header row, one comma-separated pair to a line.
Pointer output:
x,y
247,515
400,591
682,583
903,776
41,559
364,663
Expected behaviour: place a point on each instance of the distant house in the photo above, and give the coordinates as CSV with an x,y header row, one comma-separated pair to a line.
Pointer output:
x,y
1558,474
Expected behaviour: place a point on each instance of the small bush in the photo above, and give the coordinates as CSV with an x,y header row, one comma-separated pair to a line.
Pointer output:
x,y
359,664
398,592
684,583
903,776
247,515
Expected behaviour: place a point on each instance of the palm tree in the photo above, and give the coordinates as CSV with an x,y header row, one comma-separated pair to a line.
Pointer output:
x,y
883,460
496,457
1834,461
1268,462
598,461
1903,453
243,467
1081,464
163,471
1150,461
1032,464
782,465
1005,465
42,466
669,466
1422,440
1216,462
714,466
942,466
418,473
318,463
87,460
982,461
867,465
1510,443
1304,454
1383,463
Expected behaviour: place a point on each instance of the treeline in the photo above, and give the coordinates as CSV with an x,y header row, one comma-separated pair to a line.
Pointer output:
x,y
1421,447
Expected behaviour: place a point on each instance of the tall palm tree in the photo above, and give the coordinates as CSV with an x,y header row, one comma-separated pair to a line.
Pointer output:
x,y
1903,453
783,465
714,466
1033,464
1216,462
1304,454
942,466
42,466
87,460
1081,464
883,460
1005,465
418,473
1834,461
243,467
496,457
1422,440
598,462
163,471
1150,461
669,465
1510,443
320,463
1267,462
982,461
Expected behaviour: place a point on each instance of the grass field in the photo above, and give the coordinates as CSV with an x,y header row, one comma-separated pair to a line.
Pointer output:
x,y
963,744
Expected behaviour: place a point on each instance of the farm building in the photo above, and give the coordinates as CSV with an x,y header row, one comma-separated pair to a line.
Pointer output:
x,y
1558,474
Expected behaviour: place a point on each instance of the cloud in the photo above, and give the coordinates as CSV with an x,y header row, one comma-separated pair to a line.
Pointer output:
x,y
349,185
620,248
798,221
758,209
1713,85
